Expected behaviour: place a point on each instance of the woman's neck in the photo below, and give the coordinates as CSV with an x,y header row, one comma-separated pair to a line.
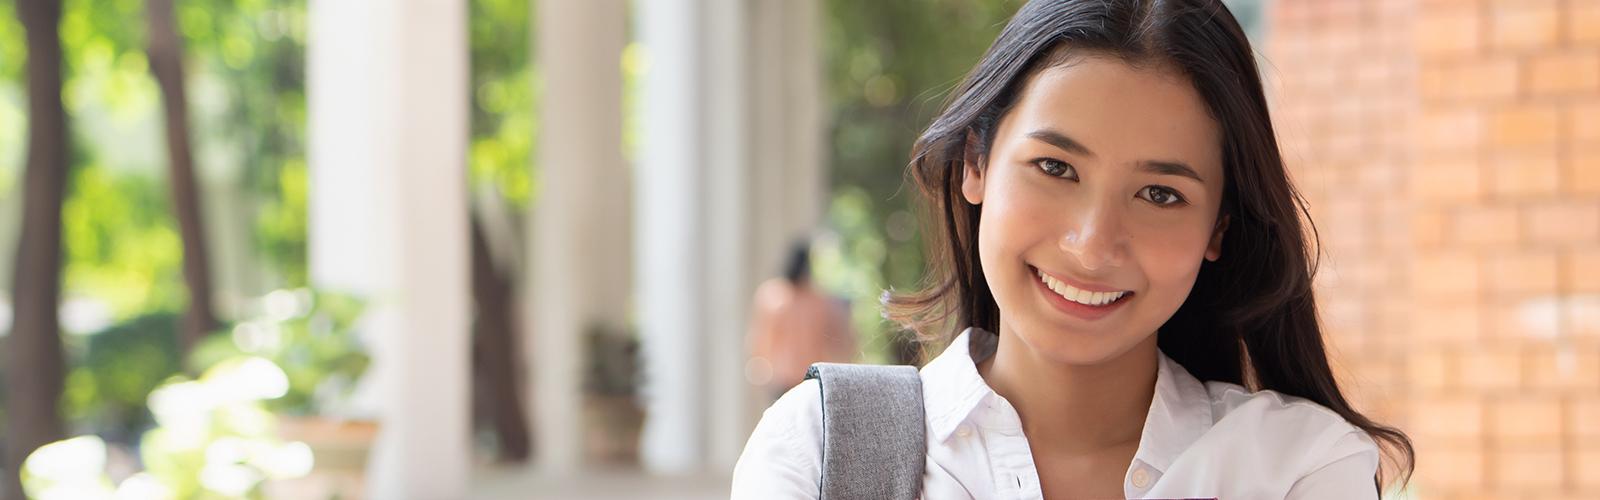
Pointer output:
x,y
1074,409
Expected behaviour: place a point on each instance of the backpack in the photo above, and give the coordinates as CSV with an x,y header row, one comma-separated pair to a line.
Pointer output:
x,y
874,444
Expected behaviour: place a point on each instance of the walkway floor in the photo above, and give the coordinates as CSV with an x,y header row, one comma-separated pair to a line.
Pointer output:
x,y
518,483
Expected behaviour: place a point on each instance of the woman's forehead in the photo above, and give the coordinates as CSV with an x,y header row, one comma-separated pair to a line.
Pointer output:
x,y
1119,111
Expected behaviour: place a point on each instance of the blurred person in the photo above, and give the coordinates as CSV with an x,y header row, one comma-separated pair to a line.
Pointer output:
x,y
794,324
1123,282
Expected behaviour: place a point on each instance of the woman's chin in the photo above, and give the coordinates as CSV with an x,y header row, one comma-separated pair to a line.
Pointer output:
x,y
1069,347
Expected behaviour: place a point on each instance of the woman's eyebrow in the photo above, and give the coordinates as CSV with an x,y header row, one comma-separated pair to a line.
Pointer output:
x,y
1171,168
1061,140
1157,167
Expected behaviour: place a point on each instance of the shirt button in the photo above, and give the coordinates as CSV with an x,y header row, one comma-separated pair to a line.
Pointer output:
x,y
964,431
1141,478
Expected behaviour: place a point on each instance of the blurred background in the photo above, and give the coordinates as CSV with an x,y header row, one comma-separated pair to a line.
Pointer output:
x,y
534,248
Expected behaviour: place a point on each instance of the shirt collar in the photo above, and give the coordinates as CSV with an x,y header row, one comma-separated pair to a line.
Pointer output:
x,y
951,385
1180,411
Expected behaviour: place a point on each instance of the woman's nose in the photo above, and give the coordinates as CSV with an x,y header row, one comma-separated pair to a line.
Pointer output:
x,y
1096,238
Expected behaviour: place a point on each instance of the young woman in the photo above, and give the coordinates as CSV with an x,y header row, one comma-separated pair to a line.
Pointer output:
x,y
1122,256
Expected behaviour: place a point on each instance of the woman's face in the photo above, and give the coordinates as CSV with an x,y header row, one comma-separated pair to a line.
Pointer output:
x,y
1099,200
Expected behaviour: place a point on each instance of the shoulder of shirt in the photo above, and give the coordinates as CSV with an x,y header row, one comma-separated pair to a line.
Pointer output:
x,y
783,457
797,416
1227,398
1276,419
801,402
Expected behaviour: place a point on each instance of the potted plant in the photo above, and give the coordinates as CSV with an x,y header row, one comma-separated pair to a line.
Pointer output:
x,y
312,337
613,417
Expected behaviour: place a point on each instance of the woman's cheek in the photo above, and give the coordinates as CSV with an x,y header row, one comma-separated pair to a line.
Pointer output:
x,y
1014,211
1172,261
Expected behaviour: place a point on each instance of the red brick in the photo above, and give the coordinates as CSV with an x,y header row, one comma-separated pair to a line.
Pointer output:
x,y
1437,324
1563,222
1491,370
1584,121
1431,370
1446,276
1523,319
1486,226
1581,172
1581,270
1448,30
1525,420
1428,228
1583,419
1451,467
1580,315
1447,180
1585,471
1568,73
1457,129
1524,175
1433,83
1539,468
1486,79
1451,419
1568,368
1583,22
1470,79
1522,273
1525,126
1528,24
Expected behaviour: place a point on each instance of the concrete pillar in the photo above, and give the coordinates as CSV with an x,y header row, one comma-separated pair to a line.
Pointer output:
x,y
729,171
580,243
387,95
670,245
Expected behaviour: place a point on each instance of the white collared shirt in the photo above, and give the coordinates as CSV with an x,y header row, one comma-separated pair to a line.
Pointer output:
x,y
1200,440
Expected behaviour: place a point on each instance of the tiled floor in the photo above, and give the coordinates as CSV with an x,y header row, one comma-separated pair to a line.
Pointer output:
x,y
513,483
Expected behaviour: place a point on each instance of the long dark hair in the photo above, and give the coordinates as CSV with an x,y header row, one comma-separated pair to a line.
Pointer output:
x,y
1251,318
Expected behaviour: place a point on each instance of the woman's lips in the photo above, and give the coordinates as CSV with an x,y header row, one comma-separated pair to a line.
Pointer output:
x,y
1088,302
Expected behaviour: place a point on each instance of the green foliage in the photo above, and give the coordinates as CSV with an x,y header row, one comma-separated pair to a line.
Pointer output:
x,y
13,51
503,105
216,437
309,335
122,244
249,56
115,370
281,225
215,440
889,67
213,436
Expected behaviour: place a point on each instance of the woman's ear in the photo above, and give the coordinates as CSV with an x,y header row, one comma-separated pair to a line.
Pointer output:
x,y
1214,249
972,170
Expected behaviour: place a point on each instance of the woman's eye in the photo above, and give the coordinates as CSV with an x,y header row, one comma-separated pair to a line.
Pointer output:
x,y
1057,168
1161,196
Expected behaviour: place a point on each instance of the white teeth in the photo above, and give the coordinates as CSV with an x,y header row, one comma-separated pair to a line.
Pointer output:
x,y
1078,295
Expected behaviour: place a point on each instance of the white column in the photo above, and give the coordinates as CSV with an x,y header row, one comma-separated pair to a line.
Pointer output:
x,y
729,172
788,104
671,230
580,240
729,282
790,187
387,94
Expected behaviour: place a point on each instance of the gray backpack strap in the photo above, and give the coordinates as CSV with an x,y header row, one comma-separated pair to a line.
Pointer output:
x,y
873,443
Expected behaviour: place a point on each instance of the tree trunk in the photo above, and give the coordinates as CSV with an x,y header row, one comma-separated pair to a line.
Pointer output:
x,y
495,351
166,63
35,370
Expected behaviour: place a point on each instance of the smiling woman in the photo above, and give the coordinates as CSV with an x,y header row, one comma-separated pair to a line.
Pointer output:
x,y
1117,218
1121,275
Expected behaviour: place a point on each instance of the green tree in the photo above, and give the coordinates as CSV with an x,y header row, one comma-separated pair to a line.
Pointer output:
x,y
34,364
166,64
502,129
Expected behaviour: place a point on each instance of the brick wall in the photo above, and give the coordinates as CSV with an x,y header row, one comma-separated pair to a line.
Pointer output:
x,y
1450,150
